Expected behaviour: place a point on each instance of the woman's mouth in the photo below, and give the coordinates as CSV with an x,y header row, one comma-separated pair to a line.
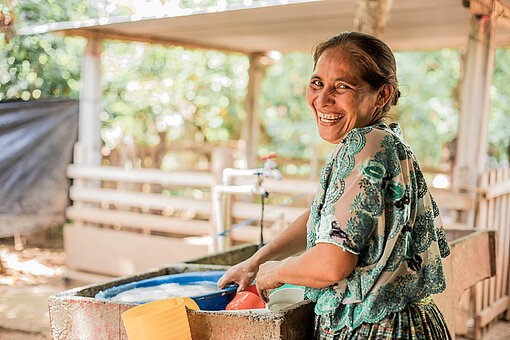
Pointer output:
x,y
328,118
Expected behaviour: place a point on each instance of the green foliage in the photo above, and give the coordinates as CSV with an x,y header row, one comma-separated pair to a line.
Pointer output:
x,y
499,119
42,66
186,95
30,12
288,124
46,65
428,109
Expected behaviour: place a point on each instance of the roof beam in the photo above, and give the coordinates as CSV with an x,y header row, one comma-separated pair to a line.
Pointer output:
x,y
112,35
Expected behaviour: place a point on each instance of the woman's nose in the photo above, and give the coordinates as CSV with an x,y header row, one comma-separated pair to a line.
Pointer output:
x,y
325,98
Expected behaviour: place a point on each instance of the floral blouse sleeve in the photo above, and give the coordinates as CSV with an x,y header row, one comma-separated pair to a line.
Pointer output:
x,y
355,196
373,201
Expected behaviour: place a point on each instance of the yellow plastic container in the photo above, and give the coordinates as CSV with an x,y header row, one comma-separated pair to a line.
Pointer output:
x,y
161,319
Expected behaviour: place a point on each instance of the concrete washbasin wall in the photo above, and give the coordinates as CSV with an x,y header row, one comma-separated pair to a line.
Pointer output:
x,y
76,314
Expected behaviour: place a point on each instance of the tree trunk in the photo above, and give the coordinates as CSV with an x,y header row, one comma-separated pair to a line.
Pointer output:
x,y
371,16
160,150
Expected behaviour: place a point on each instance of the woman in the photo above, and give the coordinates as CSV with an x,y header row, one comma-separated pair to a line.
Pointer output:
x,y
373,236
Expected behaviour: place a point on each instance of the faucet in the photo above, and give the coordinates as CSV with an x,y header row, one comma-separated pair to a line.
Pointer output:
x,y
227,188
268,170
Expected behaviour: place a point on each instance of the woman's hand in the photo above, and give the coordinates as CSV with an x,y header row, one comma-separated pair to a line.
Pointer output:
x,y
291,241
242,273
267,278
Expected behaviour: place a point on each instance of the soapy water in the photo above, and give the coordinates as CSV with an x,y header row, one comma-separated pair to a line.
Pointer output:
x,y
164,291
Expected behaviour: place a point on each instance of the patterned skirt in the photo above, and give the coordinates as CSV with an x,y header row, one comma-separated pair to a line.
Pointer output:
x,y
419,320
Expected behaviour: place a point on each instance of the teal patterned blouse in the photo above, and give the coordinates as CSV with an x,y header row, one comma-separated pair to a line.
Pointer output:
x,y
373,201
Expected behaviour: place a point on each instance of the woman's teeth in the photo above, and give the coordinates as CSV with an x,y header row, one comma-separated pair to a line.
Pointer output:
x,y
329,118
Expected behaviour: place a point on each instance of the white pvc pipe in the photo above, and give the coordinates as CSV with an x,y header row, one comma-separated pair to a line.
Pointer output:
x,y
220,223
226,188
229,173
219,209
243,189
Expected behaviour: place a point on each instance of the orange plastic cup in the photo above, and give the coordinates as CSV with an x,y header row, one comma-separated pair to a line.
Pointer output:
x,y
158,320
245,300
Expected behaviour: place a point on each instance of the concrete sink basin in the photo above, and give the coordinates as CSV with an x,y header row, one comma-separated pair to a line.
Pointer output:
x,y
76,314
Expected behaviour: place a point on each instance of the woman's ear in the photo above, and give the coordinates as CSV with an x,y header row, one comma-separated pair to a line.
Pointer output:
x,y
384,95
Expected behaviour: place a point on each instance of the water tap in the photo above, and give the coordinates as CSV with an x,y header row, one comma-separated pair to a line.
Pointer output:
x,y
270,167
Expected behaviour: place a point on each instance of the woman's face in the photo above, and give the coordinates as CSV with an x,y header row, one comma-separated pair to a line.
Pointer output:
x,y
340,99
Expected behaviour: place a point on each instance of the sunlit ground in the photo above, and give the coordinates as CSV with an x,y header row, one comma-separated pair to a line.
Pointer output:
x,y
27,278
30,266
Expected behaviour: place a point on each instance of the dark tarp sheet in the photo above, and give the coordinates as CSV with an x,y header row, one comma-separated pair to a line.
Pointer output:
x,y
36,142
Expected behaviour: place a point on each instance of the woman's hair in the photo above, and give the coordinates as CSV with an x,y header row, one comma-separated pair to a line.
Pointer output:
x,y
375,61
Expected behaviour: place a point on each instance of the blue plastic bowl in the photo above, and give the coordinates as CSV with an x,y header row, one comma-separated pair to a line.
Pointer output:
x,y
214,301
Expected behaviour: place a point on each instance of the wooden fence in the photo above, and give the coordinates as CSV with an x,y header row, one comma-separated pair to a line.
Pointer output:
x,y
125,221
491,298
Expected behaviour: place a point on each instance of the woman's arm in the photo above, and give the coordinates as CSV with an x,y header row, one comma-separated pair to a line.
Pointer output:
x,y
290,242
320,266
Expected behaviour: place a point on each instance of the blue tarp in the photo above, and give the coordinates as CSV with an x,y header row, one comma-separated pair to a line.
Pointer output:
x,y
36,141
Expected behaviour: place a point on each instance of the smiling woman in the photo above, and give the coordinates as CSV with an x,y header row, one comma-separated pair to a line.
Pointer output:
x,y
349,88
373,238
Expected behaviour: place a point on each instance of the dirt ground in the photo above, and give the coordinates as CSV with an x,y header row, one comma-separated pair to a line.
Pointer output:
x,y
28,276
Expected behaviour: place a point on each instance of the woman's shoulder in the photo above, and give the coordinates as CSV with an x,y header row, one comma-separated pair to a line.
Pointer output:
x,y
374,133
372,139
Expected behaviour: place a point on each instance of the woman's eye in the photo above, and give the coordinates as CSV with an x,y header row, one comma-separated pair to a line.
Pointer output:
x,y
316,82
342,87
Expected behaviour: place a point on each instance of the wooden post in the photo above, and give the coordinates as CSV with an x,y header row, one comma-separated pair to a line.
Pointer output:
x,y
221,158
371,16
89,127
251,129
473,121
474,112
462,315
79,158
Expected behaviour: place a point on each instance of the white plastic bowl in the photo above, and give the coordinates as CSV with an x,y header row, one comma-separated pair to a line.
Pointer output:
x,y
284,297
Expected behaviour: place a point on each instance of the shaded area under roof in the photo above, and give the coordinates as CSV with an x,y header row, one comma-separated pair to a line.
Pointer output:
x,y
291,27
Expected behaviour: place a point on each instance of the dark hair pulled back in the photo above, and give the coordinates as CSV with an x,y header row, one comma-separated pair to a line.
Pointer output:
x,y
374,58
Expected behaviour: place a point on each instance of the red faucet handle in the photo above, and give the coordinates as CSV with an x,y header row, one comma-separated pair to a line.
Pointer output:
x,y
273,155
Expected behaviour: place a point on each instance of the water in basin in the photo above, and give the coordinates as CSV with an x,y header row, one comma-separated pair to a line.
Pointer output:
x,y
200,286
164,291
